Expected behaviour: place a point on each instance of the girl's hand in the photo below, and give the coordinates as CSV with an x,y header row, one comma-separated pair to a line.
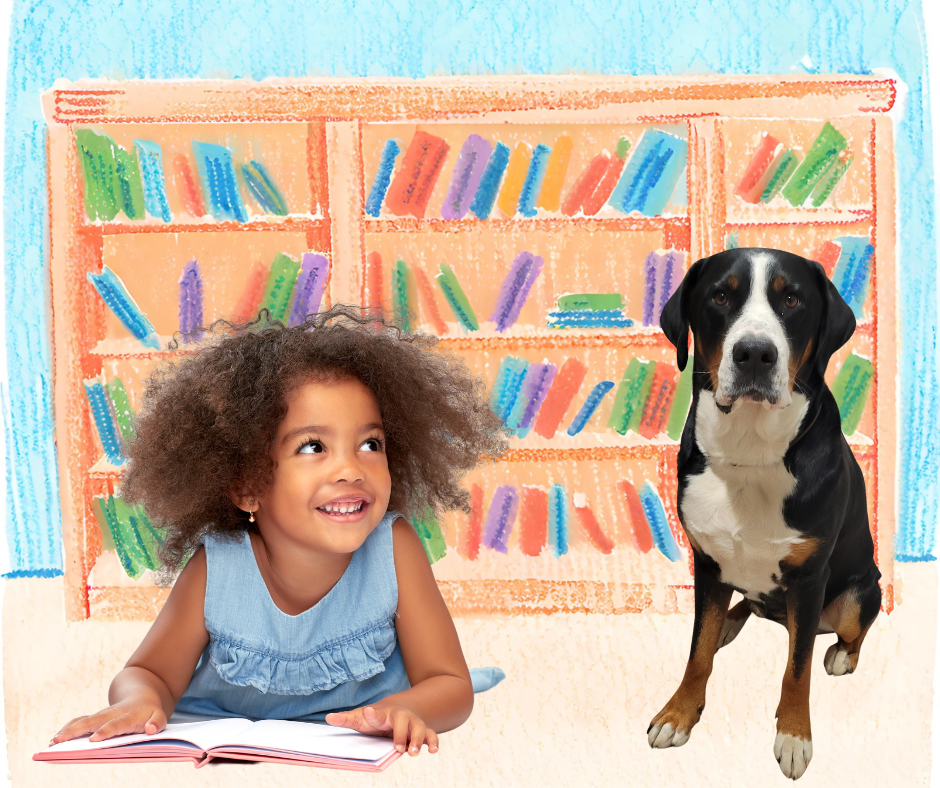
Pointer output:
x,y
128,716
401,725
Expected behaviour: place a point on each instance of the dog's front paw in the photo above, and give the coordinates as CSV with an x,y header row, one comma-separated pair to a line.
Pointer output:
x,y
672,726
793,753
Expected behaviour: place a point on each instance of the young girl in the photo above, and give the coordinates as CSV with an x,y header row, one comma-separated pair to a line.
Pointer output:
x,y
278,461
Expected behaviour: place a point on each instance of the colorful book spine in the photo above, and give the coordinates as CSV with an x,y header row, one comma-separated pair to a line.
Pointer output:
x,y
590,406
783,168
129,529
151,166
853,271
429,302
280,286
630,398
129,183
190,311
639,531
113,292
559,398
535,387
663,274
485,197
823,155
508,199
558,520
99,167
658,404
263,188
590,526
508,384
515,289
595,201
827,184
659,526
123,412
456,299
410,190
311,284
851,389
105,423
465,180
533,521
681,401
550,196
402,296
188,187
249,303
373,296
429,532
535,177
583,318
383,177
827,255
585,184
758,171
472,537
501,518
219,185
652,174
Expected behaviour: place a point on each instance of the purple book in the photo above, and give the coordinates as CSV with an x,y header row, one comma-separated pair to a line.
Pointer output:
x,y
501,518
311,284
190,301
515,289
466,176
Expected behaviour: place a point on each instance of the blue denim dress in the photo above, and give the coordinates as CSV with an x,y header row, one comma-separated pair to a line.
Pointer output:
x,y
264,664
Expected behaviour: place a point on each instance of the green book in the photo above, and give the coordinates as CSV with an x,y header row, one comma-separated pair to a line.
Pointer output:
x,y
129,182
401,296
851,389
823,154
99,166
629,400
280,286
826,185
646,385
456,300
788,163
123,413
594,302
429,531
681,401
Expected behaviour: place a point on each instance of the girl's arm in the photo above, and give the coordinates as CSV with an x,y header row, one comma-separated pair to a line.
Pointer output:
x,y
441,695
144,694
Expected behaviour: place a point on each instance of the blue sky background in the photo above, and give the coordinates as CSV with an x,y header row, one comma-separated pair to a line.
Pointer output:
x,y
164,40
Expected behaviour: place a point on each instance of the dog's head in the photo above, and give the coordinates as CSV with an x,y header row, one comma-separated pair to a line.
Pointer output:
x,y
764,322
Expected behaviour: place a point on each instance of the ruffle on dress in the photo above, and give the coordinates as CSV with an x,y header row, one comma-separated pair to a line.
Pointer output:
x,y
355,658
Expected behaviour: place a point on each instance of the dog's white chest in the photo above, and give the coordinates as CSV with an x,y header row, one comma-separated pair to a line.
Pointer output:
x,y
736,516
735,511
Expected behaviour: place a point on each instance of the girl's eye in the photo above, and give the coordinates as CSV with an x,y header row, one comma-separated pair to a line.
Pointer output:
x,y
792,300
373,444
311,447
720,298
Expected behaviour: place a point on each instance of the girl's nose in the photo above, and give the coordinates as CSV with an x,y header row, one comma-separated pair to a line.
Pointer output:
x,y
346,467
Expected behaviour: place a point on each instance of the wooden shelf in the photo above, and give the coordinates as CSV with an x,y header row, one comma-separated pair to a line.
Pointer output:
x,y
544,224
293,223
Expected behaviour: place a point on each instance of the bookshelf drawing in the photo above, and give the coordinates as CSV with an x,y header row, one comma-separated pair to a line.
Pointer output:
x,y
536,225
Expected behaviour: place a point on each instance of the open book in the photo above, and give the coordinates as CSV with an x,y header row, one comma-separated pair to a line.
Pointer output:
x,y
277,741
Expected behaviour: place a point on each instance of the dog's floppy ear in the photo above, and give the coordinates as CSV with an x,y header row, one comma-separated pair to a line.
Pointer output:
x,y
674,319
838,321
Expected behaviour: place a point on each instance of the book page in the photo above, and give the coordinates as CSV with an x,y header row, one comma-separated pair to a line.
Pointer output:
x,y
312,739
202,734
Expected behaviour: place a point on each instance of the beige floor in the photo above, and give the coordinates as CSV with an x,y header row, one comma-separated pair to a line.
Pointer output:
x,y
573,711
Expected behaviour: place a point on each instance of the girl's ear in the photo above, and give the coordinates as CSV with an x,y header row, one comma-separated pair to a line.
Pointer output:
x,y
243,498
675,316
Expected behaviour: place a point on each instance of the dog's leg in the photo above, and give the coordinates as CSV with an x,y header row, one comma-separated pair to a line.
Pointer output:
x,y
793,746
734,622
850,615
671,727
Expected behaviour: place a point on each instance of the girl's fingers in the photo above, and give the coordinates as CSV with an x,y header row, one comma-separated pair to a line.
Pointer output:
x,y
73,729
418,731
156,723
377,720
115,727
431,739
400,724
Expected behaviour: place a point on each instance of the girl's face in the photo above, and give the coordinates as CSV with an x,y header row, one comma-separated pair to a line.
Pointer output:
x,y
331,484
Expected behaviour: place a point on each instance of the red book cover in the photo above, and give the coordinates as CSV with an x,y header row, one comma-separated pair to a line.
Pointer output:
x,y
564,387
533,515
605,188
659,402
752,183
640,534
412,185
586,184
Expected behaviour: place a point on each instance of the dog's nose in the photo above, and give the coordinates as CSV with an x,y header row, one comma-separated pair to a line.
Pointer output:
x,y
754,357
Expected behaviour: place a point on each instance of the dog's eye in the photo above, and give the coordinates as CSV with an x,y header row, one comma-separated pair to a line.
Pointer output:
x,y
792,300
720,297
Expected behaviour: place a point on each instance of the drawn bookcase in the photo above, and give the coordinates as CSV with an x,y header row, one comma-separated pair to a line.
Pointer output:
x,y
562,266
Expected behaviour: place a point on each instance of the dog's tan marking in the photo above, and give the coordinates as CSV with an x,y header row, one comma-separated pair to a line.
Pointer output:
x,y
842,615
797,364
777,283
793,709
733,282
802,551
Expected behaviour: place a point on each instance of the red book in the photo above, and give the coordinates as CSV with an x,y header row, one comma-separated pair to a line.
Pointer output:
x,y
372,297
189,188
605,188
591,527
755,177
586,184
827,255
640,534
563,389
659,402
469,545
247,307
411,187
533,515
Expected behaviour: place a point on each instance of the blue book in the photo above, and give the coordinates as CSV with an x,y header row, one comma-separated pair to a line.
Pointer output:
x,y
383,177
151,169
651,175
219,185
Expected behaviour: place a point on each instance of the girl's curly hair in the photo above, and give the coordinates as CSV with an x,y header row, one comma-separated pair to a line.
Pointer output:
x,y
208,420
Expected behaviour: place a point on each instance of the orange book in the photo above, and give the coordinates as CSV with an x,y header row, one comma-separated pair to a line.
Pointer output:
x,y
411,188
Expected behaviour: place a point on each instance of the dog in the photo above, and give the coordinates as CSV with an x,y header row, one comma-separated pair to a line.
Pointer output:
x,y
770,496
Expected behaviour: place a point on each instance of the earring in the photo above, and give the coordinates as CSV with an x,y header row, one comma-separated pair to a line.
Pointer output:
x,y
251,516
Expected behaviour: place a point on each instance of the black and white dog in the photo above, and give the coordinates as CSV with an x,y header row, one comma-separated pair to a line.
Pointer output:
x,y
770,495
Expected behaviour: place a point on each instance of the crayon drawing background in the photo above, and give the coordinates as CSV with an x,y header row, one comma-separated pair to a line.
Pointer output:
x,y
581,687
